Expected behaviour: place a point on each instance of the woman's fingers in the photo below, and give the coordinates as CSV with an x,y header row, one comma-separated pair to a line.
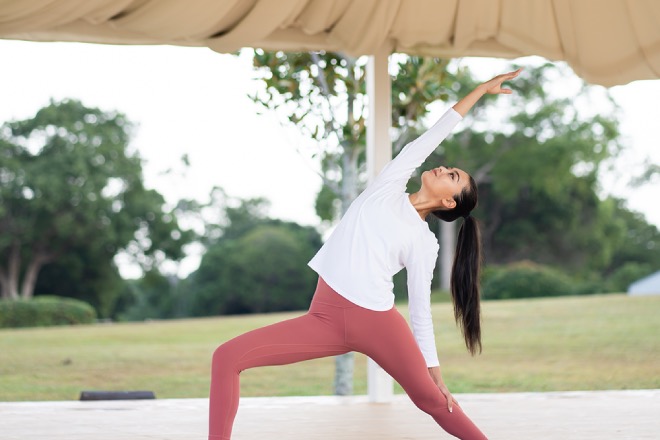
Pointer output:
x,y
449,397
496,83
514,73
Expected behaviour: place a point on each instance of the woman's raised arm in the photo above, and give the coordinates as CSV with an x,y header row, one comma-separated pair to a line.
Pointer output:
x,y
493,87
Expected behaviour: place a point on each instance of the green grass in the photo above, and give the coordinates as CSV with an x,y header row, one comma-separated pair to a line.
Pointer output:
x,y
567,343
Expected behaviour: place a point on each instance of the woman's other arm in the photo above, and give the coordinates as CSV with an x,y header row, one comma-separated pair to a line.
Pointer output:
x,y
436,375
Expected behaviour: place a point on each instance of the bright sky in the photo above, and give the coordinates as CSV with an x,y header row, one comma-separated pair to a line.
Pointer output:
x,y
194,101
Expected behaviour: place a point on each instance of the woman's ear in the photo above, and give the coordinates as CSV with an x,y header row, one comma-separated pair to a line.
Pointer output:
x,y
448,203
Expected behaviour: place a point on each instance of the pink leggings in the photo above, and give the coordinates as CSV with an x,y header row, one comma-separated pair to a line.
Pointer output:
x,y
332,326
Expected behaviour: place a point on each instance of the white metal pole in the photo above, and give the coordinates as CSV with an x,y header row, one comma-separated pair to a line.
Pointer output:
x,y
379,152
448,243
379,121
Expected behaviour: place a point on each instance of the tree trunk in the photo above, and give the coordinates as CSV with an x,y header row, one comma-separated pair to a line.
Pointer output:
x,y
30,278
13,270
4,284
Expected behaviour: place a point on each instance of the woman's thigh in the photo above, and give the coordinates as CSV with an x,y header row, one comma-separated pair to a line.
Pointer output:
x,y
387,339
310,336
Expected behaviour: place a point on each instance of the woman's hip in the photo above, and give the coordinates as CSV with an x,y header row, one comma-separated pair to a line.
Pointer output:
x,y
327,296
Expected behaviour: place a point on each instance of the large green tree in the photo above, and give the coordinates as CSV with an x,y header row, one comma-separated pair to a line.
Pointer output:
x,y
255,265
324,94
537,162
72,196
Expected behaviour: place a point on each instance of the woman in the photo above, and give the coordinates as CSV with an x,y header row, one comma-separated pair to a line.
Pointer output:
x,y
353,306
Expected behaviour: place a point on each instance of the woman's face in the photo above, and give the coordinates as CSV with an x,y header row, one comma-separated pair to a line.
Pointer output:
x,y
443,183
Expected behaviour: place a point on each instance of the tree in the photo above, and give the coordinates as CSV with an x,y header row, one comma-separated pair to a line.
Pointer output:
x,y
537,158
256,265
537,169
635,245
323,93
72,193
84,274
151,297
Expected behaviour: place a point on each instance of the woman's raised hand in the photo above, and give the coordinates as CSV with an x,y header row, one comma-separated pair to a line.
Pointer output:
x,y
494,86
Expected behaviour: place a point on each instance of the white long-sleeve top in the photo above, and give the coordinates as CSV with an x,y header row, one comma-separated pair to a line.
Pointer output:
x,y
380,234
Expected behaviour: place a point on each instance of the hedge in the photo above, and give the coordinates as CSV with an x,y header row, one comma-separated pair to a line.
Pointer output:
x,y
45,311
526,280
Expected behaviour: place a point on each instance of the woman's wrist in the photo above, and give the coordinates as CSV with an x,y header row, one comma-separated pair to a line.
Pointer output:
x,y
481,89
436,375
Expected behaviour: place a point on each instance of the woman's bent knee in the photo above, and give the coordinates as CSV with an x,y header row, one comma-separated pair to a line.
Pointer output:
x,y
223,358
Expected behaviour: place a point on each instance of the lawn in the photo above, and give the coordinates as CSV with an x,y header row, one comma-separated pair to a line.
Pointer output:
x,y
567,343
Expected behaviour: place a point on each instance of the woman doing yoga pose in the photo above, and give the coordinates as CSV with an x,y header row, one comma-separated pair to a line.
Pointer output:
x,y
353,309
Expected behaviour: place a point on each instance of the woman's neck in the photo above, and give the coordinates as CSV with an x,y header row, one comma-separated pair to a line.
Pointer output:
x,y
422,205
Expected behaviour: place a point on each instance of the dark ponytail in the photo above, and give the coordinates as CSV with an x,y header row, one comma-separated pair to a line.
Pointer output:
x,y
464,284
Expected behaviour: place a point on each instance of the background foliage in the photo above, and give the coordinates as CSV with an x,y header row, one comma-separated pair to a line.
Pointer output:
x,y
45,311
257,265
537,159
72,197
72,193
526,280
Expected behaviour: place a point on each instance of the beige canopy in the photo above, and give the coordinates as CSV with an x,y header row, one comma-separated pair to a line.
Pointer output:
x,y
607,42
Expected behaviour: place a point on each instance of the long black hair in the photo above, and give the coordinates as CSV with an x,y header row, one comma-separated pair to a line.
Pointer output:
x,y
464,284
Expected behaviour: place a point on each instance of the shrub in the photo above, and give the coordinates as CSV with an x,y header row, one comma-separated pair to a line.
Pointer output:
x,y
591,286
627,274
525,280
45,311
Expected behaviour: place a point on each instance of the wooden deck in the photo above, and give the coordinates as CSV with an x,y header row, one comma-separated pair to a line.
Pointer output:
x,y
564,415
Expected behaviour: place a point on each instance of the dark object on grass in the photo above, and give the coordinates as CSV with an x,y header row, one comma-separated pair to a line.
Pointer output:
x,y
116,395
